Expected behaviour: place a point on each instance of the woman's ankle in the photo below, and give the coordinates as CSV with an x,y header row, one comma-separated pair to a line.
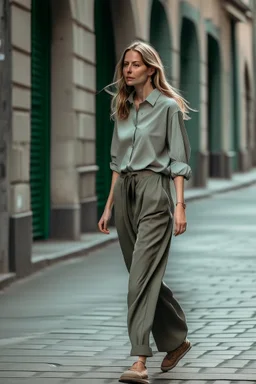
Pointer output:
x,y
139,366
142,359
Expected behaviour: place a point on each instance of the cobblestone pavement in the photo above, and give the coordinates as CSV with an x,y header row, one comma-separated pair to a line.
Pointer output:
x,y
67,323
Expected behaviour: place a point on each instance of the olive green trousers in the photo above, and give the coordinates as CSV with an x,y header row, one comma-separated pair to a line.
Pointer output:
x,y
144,222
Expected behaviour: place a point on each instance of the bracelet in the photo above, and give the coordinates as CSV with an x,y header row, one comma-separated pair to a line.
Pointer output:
x,y
183,204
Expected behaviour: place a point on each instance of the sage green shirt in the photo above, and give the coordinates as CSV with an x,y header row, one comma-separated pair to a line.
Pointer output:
x,y
154,137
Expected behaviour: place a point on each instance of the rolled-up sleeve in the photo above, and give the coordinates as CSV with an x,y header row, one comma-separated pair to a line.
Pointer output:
x,y
113,150
178,146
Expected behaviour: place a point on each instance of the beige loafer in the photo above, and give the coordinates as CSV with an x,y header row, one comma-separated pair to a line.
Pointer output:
x,y
134,376
172,358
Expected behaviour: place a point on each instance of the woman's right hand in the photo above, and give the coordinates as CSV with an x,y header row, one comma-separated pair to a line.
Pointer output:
x,y
103,223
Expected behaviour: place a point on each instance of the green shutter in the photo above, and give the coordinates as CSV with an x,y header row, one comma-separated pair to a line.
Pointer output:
x,y
105,67
40,118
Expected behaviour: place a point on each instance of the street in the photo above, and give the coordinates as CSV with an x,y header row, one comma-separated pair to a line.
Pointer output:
x,y
67,323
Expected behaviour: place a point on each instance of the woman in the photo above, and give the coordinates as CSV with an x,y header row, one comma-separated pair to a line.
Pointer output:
x,y
149,147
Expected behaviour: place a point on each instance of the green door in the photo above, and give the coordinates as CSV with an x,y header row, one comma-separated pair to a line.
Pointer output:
x,y
105,67
40,118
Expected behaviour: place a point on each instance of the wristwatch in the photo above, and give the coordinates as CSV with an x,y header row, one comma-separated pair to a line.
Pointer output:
x,y
183,204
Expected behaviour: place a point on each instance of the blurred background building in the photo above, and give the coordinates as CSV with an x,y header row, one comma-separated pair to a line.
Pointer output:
x,y
55,126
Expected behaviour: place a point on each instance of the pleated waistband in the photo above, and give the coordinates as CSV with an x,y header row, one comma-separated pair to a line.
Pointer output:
x,y
135,173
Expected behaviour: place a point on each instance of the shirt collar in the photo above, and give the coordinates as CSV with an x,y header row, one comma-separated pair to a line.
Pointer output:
x,y
151,98
130,98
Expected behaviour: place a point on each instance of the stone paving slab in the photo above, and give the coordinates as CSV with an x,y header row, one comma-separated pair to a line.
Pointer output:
x,y
31,381
19,374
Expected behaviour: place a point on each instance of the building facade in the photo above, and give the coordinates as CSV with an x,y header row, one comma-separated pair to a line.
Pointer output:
x,y
63,52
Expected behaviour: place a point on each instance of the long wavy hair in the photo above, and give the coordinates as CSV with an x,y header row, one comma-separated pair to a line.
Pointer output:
x,y
119,105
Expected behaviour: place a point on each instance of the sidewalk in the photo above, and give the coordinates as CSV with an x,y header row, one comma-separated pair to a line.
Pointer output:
x,y
68,324
48,252
45,253
239,180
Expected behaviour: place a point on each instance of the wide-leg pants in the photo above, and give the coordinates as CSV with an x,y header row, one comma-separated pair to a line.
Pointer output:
x,y
144,221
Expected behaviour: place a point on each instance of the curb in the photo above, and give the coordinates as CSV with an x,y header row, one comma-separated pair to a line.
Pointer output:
x,y
7,280
83,251
213,192
42,264
245,184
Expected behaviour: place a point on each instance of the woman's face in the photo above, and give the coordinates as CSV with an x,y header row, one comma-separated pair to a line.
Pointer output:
x,y
135,72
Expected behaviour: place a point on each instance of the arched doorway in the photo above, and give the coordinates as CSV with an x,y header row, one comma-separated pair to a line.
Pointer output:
x,y
189,85
40,117
105,66
160,35
214,107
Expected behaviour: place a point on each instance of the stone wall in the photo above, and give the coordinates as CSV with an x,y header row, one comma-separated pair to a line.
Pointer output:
x,y
19,187
84,80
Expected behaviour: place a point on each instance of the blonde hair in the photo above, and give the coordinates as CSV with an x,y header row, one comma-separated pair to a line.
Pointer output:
x,y
150,57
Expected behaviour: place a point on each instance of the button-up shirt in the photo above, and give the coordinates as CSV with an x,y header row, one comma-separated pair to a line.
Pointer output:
x,y
153,137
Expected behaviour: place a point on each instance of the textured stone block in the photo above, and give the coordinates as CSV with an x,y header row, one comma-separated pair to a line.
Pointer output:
x,y
20,198
86,126
15,164
65,223
87,185
84,74
63,124
84,101
21,65
89,215
89,152
79,152
21,97
25,162
85,13
84,44
20,246
21,28
24,3
19,164
78,71
64,184
89,76
21,127
63,156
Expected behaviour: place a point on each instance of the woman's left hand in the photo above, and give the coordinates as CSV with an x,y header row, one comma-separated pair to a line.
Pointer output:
x,y
180,220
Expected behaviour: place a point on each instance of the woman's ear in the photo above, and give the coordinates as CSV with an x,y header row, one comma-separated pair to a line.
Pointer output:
x,y
151,71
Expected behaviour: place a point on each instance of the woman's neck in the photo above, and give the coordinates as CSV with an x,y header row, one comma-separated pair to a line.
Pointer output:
x,y
142,92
